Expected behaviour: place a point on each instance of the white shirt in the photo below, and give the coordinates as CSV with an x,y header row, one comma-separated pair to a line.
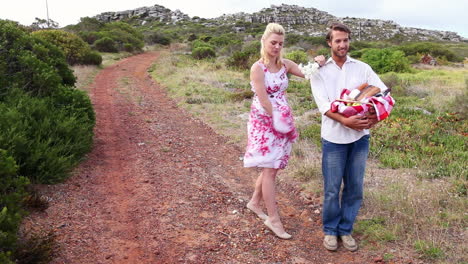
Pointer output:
x,y
327,85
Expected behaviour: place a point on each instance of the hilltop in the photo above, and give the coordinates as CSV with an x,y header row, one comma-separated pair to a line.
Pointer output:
x,y
296,19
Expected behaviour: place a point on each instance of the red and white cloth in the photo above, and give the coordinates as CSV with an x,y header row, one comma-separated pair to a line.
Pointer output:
x,y
383,105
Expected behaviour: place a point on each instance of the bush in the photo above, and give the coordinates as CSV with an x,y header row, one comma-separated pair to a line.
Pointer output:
x,y
224,40
86,24
29,63
298,56
12,192
201,44
106,44
90,37
386,60
245,58
112,37
46,126
73,47
122,33
203,53
128,47
47,136
434,49
92,58
323,51
158,38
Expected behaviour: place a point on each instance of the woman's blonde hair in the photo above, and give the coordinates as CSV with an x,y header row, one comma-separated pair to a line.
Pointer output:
x,y
272,28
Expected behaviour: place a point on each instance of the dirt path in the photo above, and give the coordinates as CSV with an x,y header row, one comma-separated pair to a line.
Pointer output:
x,y
162,187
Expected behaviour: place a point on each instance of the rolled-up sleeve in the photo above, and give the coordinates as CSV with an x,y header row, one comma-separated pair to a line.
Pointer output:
x,y
319,92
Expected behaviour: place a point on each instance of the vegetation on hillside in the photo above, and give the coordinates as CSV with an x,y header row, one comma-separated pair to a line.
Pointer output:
x,y
76,51
46,126
109,37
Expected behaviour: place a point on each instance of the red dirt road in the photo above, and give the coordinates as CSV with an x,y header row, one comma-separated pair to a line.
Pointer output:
x,y
163,187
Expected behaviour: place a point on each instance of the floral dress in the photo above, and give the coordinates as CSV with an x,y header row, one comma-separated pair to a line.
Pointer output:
x,y
267,147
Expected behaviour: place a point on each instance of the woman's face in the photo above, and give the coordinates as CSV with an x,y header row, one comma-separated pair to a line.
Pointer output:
x,y
273,44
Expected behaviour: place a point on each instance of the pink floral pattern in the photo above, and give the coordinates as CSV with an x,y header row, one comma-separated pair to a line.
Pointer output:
x,y
267,147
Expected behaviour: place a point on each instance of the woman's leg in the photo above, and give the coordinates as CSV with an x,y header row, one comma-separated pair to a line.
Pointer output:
x,y
254,203
269,197
257,195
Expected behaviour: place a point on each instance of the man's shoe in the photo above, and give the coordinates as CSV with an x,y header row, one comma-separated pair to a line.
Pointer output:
x,y
349,243
330,243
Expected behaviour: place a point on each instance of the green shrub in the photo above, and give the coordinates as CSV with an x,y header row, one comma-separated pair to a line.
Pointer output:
x,y
46,126
316,41
114,37
298,56
106,44
323,51
244,59
122,33
73,47
86,24
30,63
158,38
434,49
12,192
128,47
224,40
192,37
90,37
92,58
203,53
201,44
47,136
386,60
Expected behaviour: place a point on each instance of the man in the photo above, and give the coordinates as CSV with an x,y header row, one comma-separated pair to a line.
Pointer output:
x,y
345,140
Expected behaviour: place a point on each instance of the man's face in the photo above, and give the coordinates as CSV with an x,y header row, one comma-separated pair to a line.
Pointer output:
x,y
339,43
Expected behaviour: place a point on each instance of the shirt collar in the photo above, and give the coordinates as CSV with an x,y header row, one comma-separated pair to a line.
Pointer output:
x,y
348,60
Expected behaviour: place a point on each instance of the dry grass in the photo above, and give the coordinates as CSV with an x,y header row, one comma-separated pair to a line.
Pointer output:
x,y
85,75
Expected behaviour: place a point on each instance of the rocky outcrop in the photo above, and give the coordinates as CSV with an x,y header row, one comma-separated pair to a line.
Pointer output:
x,y
145,14
295,19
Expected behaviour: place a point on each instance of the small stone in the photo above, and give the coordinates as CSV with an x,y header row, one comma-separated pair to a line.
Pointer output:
x,y
378,259
235,212
317,211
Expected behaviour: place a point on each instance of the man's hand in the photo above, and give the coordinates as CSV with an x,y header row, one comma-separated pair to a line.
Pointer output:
x,y
371,117
356,122
320,60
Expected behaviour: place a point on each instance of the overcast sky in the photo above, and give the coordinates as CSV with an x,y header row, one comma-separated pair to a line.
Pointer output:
x,y
447,15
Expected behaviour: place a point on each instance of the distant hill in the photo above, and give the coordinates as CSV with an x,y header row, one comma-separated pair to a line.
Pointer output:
x,y
295,19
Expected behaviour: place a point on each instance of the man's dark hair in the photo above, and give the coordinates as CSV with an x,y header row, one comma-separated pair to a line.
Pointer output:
x,y
338,27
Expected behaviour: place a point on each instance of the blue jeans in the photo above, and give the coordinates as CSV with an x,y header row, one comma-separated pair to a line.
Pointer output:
x,y
343,163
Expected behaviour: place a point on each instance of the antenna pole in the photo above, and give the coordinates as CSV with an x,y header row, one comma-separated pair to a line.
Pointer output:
x,y
48,20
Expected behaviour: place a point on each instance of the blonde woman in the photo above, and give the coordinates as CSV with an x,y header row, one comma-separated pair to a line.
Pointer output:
x,y
271,130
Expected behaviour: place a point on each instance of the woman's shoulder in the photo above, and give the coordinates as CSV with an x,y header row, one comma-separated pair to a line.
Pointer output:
x,y
288,63
258,66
